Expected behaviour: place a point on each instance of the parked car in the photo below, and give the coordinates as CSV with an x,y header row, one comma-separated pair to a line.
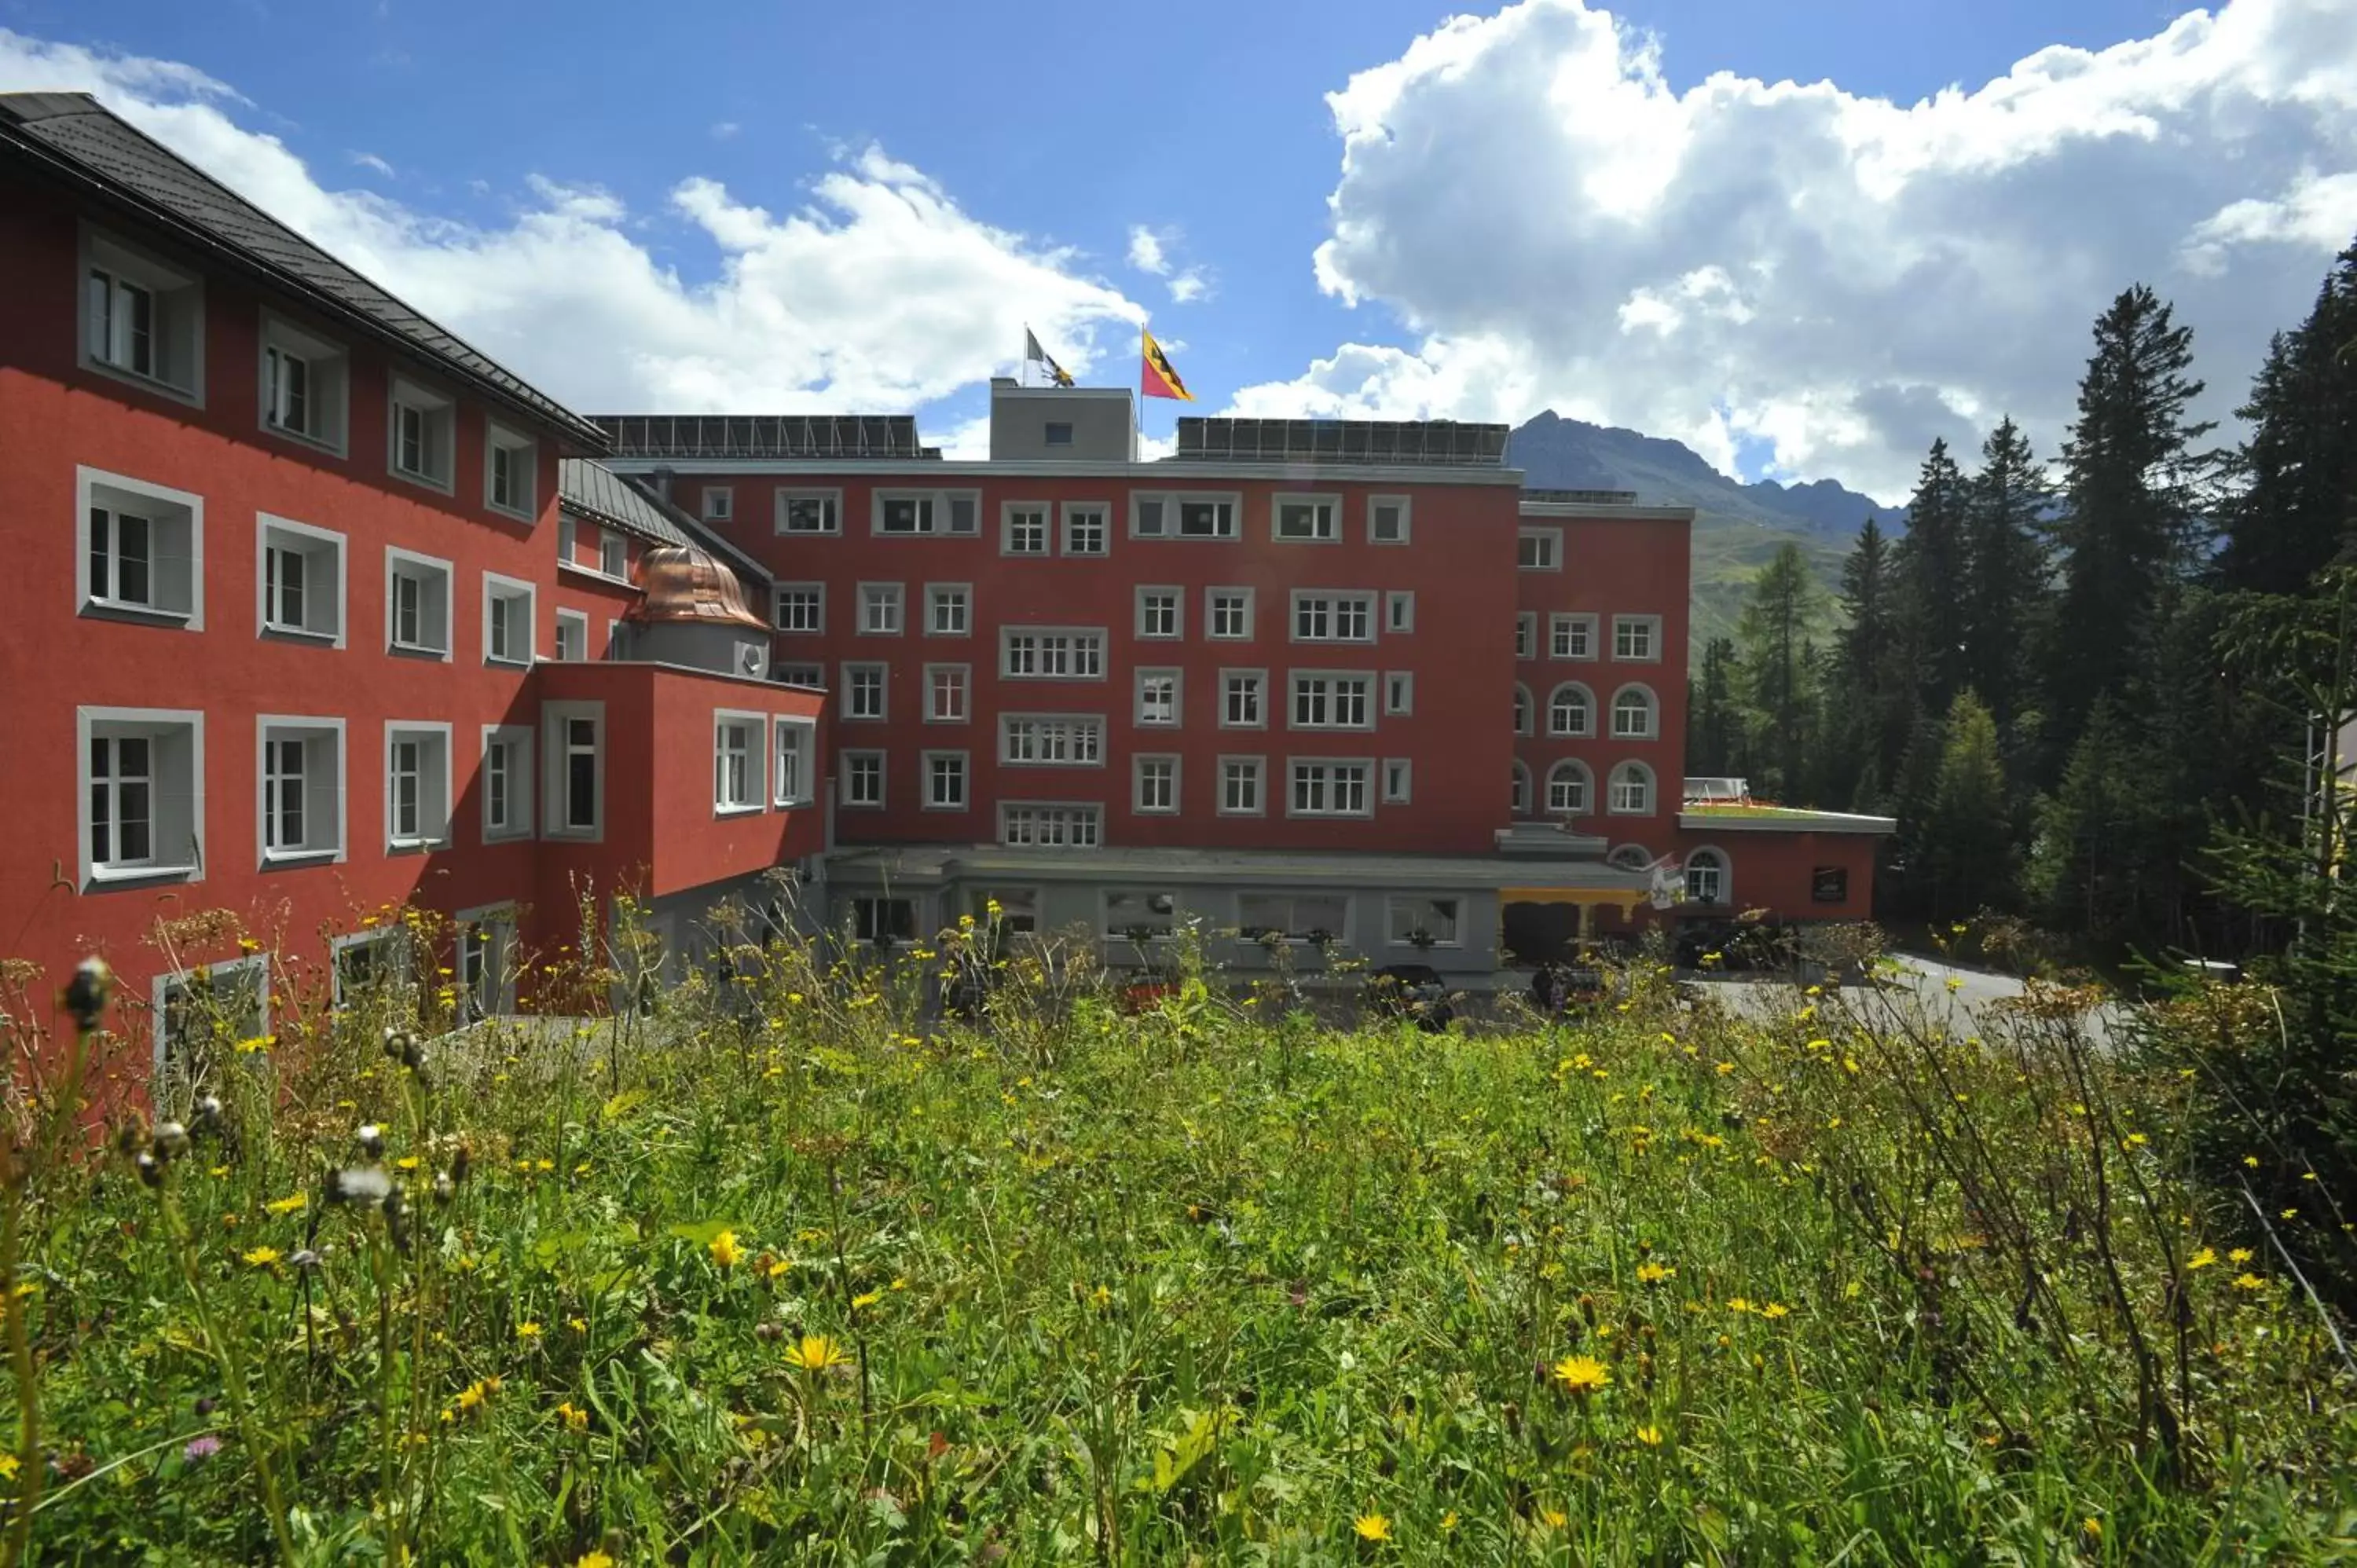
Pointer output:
x,y
1410,990
1142,991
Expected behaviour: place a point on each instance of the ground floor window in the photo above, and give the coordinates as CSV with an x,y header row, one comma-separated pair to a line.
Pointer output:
x,y
1707,878
1422,922
1294,917
369,965
202,1014
1138,915
1829,885
884,919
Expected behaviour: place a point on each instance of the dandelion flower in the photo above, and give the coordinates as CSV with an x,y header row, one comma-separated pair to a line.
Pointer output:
x,y
1373,1527
815,1353
2252,1161
2247,1281
2203,1259
2093,1526
262,1257
578,1325
1739,1304
865,1299
1650,1436
1553,1519
593,1559
1582,1374
527,1330
724,1251
8,1466
289,1205
1775,1309
1651,1274
574,1419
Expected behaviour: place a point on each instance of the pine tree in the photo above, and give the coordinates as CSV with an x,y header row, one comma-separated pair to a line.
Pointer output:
x,y
1869,695
1774,629
2005,509
2297,470
1969,832
1714,713
2133,488
1935,569
2083,864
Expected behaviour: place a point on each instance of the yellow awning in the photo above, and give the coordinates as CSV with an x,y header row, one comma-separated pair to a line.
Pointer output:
x,y
1622,899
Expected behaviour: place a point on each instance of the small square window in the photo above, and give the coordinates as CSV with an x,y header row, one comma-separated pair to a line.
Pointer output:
x,y
305,382
417,604
1024,528
416,785
945,781
1157,785
1539,550
1637,638
510,472
140,550
1087,527
1571,636
302,774
572,637
862,691
301,572
948,689
880,607
801,607
949,610
1228,614
863,778
423,436
1157,698
142,320
508,635
1157,612
1059,433
719,504
1387,519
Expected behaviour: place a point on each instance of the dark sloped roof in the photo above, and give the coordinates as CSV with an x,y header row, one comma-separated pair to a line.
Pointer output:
x,y
71,134
590,489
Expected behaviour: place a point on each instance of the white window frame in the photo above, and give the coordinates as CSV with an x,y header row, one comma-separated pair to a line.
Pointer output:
x,y
394,939
784,675
892,599
1243,598
1258,766
1042,513
1652,729
1075,824
955,596
1586,730
1414,905
1295,896
718,503
853,757
1138,764
150,725
517,742
1077,637
1406,505
395,561
176,296
1526,634
1327,517
964,686
1160,597
938,511
1173,502
803,735
434,811
1396,780
324,618
933,800
1551,539
1368,698
1366,780
1518,798
320,736
160,990
1177,679
1561,631
95,487
1099,512
852,670
1050,734
579,620
1567,768
817,598
1334,605
1399,693
1525,712
1261,698
1399,611
556,720
326,392
495,585
1635,769
830,504
1725,869
752,730
613,542
438,419
1650,625
523,459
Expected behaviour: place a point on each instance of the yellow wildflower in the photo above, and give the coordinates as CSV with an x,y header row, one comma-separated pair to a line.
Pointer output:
x,y
2203,1259
288,1205
593,1559
1775,1309
2238,1255
1653,1274
8,1466
815,1353
1650,1436
262,1257
1582,1374
1373,1527
527,1330
2247,1281
865,1298
1555,1519
574,1420
1739,1304
724,1251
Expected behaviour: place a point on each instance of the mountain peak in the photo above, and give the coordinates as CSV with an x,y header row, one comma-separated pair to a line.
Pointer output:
x,y
1557,453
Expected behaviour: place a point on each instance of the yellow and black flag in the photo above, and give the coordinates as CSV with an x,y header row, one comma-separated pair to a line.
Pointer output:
x,y
1155,376
1035,355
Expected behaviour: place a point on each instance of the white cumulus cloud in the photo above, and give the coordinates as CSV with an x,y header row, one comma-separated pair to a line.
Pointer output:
x,y
1149,252
1832,278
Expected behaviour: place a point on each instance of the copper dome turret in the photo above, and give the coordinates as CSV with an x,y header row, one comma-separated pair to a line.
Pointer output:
x,y
684,586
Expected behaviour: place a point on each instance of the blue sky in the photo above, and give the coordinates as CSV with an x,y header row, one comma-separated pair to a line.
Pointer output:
x,y
1208,124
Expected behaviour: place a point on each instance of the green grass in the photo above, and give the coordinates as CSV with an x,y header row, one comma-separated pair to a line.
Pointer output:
x,y
778,1276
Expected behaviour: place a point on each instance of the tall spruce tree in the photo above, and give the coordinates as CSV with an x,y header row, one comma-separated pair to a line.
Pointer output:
x,y
1777,660
2132,484
1968,834
1935,567
2004,509
1869,690
2297,472
1714,712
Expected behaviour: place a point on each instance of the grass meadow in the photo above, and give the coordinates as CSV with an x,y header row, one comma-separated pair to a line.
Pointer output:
x,y
771,1272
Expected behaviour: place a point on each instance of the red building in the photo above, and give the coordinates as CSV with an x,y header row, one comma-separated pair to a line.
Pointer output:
x,y
320,612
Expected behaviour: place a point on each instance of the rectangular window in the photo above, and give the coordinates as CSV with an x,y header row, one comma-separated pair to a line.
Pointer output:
x,y
1539,549
1228,614
206,1003
418,786
801,607
1637,637
1322,617
880,605
141,319
1024,528
1157,698
507,781
572,636
1829,884
863,778
795,754
141,548
1396,773
302,573
1307,519
424,434
1295,916
1183,516
1331,789
1051,741
302,787
1140,915
1158,612
1240,699
1326,701
1052,827
737,762
949,610
718,504
1059,433
366,965
945,781
946,690
884,919
927,511
510,472
1399,693
1240,786
863,688
1086,528
568,540
1399,611
508,617
1157,784
143,777
1526,634
1387,519
807,511
614,555
1053,655
810,675
576,774
1571,636
305,381
1422,922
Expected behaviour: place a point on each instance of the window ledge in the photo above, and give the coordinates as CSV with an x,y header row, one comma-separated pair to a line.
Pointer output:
x,y
418,650
796,805
514,514
155,384
306,440
505,663
506,835
300,633
416,845
575,836
425,481
114,875
126,610
751,809
594,573
300,857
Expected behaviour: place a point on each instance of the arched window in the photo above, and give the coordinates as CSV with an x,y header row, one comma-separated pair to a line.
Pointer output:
x,y
1521,709
1633,789
1633,714
1522,805
1707,880
1571,711
1630,857
1567,783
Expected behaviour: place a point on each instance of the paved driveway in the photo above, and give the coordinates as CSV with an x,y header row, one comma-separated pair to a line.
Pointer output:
x,y
1920,983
